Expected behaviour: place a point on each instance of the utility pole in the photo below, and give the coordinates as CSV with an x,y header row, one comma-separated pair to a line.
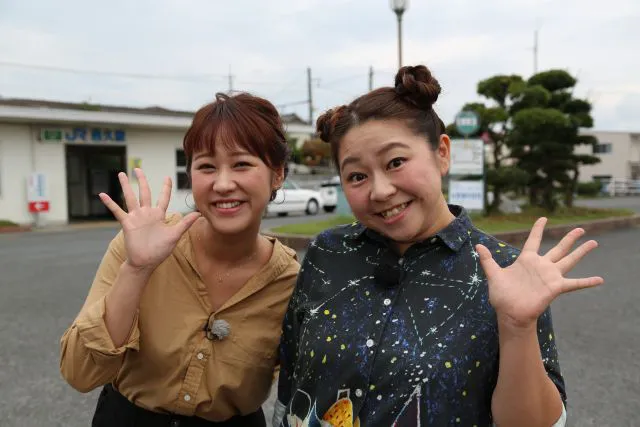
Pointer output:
x,y
230,80
535,52
370,79
310,99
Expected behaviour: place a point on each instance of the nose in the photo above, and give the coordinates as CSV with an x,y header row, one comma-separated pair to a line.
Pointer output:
x,y
224,181
382,188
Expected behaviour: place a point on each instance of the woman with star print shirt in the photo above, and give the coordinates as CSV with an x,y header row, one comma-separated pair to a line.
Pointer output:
x,y
411,316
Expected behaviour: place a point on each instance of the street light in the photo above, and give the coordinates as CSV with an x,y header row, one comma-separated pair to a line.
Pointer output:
x,y
399,6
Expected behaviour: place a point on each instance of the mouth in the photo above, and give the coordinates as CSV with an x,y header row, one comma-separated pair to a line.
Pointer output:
x,y
394,211
228,204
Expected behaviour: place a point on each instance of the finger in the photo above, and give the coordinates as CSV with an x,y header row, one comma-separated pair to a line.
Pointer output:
x,y
143,188
556,253
570,285
186,222
112,206
535,237
567,263
165,195
487,262
129,197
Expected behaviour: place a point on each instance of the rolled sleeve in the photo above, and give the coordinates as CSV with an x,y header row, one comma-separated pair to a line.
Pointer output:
x,y
93,332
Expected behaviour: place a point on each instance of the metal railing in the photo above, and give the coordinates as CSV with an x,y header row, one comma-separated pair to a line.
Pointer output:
x,y
621,187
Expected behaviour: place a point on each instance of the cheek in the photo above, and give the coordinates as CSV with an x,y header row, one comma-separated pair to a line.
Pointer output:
x,y
357,198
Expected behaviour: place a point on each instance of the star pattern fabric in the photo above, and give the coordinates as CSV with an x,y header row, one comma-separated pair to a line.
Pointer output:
x,y
422,351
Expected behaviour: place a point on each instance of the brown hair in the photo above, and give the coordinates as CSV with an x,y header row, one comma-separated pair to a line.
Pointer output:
x,y
410,100
243,120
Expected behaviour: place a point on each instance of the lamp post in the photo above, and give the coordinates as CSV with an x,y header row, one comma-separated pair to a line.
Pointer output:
x,y
399,6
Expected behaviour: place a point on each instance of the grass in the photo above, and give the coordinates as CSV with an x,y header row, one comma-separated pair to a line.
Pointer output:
x,y
7,223
489,224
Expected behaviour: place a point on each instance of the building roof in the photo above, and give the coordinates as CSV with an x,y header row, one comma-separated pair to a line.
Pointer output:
x,y
291,118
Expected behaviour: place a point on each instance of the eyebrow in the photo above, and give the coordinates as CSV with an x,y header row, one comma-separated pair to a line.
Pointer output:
x,y
388,147
235,153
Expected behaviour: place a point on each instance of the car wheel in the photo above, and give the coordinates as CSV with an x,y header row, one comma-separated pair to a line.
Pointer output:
x,y
312,207
283,213
329,209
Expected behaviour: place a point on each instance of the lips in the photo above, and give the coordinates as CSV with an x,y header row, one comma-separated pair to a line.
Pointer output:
x,y
390,213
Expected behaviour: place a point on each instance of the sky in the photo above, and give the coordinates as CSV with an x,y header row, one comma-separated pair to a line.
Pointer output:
x,y
178,53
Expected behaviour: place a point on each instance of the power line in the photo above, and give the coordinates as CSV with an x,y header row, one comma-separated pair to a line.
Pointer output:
x,y
177,77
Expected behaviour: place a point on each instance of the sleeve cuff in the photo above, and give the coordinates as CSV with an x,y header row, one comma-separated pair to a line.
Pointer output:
x,y
93,332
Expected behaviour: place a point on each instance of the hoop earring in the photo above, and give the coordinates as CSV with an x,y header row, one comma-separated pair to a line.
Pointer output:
x,y
194,208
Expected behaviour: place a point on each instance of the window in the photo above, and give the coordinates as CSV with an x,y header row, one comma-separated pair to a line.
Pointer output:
x,y
602,148
182,179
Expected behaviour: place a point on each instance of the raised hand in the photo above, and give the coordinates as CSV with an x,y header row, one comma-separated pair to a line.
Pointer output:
x,y
521,292
148,239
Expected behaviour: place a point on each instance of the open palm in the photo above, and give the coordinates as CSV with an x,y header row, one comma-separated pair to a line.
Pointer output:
x,y
148,239
522,291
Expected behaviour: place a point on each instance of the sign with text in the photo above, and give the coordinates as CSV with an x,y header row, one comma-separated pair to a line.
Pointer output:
x,y
469,194
83,135
37,193
467,157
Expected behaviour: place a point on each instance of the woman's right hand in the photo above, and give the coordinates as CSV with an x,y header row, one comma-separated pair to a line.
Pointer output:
x,y
148,239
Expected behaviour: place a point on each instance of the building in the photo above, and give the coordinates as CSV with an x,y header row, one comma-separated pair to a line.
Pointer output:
x,y
56,157
619,154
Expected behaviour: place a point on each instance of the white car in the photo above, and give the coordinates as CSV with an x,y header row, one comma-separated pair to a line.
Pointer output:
x,y
291,198
329,193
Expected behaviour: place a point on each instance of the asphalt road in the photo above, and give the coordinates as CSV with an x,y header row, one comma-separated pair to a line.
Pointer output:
x,y
44,278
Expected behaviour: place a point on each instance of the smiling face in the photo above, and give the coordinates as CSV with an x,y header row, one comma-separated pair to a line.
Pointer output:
x,y
392,179
231,188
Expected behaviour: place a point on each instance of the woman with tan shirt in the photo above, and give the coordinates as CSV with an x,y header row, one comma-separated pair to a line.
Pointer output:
x,y
183,319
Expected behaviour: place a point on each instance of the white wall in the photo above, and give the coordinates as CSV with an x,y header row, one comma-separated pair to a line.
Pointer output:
x,y
15,165
615,163
157,149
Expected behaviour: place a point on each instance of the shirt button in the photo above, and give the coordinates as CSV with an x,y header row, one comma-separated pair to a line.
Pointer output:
x,y
434,239
387,301
359,393
175,423
369,343
187,397
200,356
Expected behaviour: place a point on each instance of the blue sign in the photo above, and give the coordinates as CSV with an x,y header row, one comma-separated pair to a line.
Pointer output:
x,y
84,135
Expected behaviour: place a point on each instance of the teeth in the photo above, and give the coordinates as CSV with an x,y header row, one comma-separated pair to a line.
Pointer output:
x,y
394,211
227,205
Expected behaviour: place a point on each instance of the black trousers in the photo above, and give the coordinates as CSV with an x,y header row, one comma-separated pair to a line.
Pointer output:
x,y
115,410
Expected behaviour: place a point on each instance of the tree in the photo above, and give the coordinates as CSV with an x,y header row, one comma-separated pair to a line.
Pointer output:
x,y
494,123
546,130
533,128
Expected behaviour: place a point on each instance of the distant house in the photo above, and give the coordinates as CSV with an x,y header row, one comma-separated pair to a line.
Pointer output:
x,y
66,153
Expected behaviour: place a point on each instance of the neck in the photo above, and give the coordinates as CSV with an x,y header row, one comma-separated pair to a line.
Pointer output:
x,y
227,248
442,218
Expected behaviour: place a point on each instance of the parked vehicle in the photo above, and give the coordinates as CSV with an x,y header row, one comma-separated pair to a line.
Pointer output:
x,y
291,198
329,192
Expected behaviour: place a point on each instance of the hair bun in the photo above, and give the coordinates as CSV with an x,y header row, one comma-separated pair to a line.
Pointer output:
x,y
418,86
326,123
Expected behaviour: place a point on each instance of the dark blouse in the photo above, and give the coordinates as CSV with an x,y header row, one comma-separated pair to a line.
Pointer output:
x,y
374,339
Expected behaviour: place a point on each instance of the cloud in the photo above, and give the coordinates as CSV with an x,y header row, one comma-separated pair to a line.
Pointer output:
x,y
267,47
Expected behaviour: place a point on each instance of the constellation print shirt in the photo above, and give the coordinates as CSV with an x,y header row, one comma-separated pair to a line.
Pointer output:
x,y
364,347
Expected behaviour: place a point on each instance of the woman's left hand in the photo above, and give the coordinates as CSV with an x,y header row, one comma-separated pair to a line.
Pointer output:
x,y
521,292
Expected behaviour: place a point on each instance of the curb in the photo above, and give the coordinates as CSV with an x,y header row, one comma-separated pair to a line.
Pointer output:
x,y
515,238
15,229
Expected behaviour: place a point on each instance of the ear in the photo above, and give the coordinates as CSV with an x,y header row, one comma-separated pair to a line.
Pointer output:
x,y
443,154
277,178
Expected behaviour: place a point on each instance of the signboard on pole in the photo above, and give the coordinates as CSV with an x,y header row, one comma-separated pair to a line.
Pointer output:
x,y
467,123
37,193
469,194
467,157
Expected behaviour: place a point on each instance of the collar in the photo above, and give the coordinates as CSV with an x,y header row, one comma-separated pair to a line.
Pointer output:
x,y
453,235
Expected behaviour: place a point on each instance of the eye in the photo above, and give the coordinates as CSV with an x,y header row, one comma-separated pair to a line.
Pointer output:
x,y
396,163
205,167
356,177
242,164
